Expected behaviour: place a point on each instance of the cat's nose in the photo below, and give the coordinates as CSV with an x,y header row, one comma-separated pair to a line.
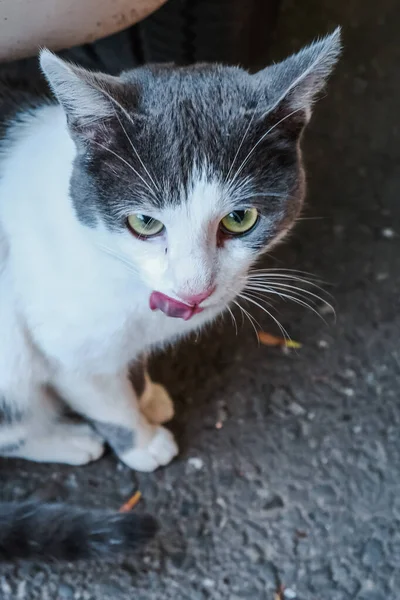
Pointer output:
x,y
196,299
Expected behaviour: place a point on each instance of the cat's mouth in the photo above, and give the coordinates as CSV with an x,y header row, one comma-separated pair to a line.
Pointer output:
x,y
173,308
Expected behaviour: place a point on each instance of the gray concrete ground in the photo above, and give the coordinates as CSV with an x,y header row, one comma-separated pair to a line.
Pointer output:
x,y
301,485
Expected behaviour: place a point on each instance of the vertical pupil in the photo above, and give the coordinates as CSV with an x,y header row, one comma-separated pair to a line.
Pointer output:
x,y
238,216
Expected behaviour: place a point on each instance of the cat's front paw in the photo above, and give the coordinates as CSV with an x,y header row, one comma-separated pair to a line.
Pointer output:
x,y
157,404
69,443
159,451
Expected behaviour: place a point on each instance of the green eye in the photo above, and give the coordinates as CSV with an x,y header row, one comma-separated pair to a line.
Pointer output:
x,y
240,221
144,226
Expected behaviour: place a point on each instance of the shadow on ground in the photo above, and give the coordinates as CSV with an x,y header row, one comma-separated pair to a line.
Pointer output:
x,y
301,485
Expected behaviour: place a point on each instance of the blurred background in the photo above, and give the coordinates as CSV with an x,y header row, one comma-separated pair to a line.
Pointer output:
x,y
288,484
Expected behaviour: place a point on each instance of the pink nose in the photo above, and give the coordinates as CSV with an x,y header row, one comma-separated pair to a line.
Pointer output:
x,y
196,299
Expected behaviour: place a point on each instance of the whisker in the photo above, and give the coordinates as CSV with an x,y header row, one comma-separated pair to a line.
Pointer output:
x,y
128,116
157,187
256,293
247,314
233,319
117,256
281,328
287,278
260,140
286,272
142,236
125,162
288,287
276,289
243,138
296,300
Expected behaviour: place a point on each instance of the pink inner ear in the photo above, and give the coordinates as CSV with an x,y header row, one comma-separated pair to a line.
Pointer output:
x,y
171,307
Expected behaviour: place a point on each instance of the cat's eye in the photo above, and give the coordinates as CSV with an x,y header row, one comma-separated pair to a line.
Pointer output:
x,y
239,222
144,226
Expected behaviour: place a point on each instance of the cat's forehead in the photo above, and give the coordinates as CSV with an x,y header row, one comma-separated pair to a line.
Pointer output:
x,y
191,123
164,89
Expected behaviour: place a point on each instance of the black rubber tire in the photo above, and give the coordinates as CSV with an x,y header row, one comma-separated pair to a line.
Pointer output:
x,y
227,31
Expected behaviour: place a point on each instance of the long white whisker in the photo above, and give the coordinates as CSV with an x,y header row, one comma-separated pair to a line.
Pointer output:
x,y
156,187
294,299
243,138
128,116
260,140
125,162
247,314
284,272
119,257
259,295
288,287
281,328
233,319
278,278
280,292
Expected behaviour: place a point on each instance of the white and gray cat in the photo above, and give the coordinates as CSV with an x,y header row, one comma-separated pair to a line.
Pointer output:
x,y
131,211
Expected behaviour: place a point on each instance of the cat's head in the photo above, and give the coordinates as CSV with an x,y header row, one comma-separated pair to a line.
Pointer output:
x,y
190,174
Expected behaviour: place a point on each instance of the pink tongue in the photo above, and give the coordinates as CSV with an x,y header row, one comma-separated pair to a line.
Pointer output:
x,y
171,307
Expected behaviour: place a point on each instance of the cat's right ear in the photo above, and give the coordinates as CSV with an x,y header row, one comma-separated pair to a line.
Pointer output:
x,y
87,98
290,87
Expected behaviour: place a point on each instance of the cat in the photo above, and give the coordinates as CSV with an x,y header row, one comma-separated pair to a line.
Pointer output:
x,y
132,209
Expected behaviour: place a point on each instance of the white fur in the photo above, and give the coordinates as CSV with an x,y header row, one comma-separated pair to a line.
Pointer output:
x,y
74,316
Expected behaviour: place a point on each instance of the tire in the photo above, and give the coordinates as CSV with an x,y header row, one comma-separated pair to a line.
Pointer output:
x,y
188,31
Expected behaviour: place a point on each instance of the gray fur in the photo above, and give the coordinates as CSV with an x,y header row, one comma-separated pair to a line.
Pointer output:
x,y
11,448
121,439
206,115
8,412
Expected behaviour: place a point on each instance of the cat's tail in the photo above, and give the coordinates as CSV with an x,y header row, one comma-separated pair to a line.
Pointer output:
x,y
32,530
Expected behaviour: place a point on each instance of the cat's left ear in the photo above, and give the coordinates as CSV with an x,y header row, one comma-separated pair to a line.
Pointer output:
x,y
87,98
292,85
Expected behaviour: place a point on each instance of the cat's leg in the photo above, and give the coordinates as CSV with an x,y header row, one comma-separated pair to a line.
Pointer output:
x,y
30,424
112,406
38,432
154,400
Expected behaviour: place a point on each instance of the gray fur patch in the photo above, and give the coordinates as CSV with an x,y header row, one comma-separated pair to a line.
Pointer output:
x,y
120,438
11,448
8,413
140,139
137,372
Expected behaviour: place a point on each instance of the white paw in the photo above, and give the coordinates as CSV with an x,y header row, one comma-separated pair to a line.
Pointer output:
x,y
72,444
158,452
157,404
84,443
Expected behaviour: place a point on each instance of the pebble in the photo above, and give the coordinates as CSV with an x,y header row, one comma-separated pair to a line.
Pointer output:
x,y
322,344
388,233
349,374
196,463
65,592
349,392
381,276
290,594
373,553
296,409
